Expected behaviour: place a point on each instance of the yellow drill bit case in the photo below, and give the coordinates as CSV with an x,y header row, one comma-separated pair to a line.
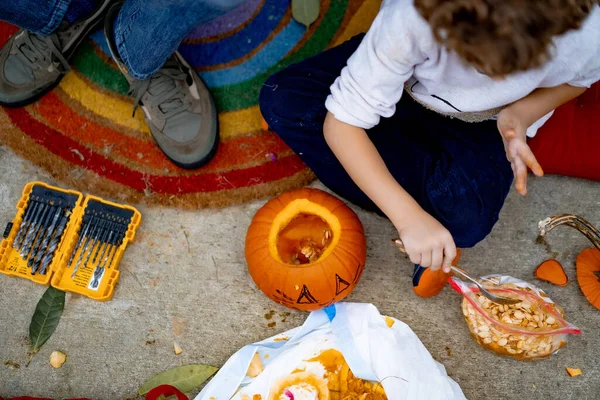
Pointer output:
x,y
98,263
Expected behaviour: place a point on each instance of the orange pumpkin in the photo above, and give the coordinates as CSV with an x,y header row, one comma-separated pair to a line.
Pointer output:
x,y
588,261
588,275
305,249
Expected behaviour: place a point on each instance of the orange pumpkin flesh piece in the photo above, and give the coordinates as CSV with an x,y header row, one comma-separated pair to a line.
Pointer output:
x,y
551,271
431,283
305,249
588,275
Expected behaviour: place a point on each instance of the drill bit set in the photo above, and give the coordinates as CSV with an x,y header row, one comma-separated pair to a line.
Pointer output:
x,y
73,243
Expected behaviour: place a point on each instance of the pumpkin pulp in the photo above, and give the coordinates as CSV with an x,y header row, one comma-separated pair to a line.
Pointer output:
x,y
303,233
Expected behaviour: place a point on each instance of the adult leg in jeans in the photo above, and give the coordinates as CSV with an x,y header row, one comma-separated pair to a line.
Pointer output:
x,y
39,17
455,170
35,59
143,36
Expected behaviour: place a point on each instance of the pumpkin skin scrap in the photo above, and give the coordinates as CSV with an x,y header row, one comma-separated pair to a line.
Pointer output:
x,y
305,249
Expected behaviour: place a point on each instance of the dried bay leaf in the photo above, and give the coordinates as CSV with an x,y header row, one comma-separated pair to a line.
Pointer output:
x,y
306,11
185,378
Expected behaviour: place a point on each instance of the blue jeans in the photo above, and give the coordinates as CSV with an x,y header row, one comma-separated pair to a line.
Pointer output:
x,y
456,171
147,32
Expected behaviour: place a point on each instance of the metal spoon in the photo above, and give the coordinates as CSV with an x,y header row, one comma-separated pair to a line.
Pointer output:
x,y
492,297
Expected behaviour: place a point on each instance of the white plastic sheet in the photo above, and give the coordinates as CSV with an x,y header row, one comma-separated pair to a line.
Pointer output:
x,y
394,356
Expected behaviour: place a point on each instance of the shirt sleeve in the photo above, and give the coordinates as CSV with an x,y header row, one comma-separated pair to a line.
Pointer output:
x,y
371,84
587,61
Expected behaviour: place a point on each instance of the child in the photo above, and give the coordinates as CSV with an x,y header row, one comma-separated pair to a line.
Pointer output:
x,y
425,117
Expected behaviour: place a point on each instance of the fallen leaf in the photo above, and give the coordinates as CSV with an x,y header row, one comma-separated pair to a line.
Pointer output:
x,y
185,378
306,11
46,317
574,371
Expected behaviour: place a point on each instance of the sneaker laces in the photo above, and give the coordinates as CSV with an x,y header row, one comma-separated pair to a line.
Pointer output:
x,y
163,90
36,48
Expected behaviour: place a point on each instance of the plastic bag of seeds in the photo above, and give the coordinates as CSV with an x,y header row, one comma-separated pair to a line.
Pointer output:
x,y
534,328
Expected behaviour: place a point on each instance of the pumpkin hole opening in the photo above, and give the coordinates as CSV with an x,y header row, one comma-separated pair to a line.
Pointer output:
x,y
304,239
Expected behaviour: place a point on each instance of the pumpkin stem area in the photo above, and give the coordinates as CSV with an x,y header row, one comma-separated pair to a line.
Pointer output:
x,y
304,239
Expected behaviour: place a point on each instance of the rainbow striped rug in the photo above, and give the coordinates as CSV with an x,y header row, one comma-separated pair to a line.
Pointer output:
x,y
84,135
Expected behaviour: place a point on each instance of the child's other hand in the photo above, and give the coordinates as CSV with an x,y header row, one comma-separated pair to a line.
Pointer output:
x,y
514,135
427,242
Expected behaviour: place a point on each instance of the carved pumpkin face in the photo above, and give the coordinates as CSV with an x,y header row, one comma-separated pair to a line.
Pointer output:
x,y
305,249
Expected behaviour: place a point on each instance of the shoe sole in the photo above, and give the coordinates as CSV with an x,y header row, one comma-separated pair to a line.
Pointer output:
x,y
94,21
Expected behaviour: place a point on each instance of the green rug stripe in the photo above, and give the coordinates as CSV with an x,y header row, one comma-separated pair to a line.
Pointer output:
x,y
98,71
228,98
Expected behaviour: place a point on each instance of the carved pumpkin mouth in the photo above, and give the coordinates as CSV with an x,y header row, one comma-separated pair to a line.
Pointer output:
x,y
303,233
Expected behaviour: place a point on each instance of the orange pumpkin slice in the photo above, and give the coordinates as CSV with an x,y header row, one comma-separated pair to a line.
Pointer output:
x,y
432,282
300,385
305,249
588,275
551,271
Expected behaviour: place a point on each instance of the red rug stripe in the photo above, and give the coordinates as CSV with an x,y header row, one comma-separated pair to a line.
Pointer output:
x,y
231,153
63,146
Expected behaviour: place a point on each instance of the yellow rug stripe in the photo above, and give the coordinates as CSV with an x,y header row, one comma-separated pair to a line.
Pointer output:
x,y
231,124
100,104
361,21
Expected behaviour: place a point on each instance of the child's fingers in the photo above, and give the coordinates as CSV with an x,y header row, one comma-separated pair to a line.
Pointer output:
x,y
426,259
520,176
437,258
449,255
527,156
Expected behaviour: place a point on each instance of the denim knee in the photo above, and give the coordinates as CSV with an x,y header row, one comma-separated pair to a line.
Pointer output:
x,y
289,106
269,101
472,228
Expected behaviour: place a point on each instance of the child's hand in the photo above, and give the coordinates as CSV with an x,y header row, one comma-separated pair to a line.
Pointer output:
x,y
427,242
514,135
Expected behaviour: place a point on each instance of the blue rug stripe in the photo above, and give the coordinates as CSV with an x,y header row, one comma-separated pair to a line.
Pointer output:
x,y
268,56
243,42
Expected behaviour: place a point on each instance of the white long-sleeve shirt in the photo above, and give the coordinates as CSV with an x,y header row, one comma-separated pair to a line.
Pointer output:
x,y
400,49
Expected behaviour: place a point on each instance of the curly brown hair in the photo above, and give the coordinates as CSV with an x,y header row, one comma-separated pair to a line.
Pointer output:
x,y
500,37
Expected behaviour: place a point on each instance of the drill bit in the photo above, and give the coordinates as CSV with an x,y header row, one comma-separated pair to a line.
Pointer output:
x,y
85,227
118,241
86,243
94,241
36,258
108,241
27,232
37,243
47,259
110,245
29,213
33,232
102,241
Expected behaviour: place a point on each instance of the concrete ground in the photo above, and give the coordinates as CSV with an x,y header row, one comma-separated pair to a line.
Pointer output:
x,y
201,296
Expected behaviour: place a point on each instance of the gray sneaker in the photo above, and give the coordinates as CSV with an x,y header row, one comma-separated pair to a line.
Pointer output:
x,y
178,107
32,65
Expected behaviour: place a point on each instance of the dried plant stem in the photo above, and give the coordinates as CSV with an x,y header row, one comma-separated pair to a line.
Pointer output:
x,y
574,221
